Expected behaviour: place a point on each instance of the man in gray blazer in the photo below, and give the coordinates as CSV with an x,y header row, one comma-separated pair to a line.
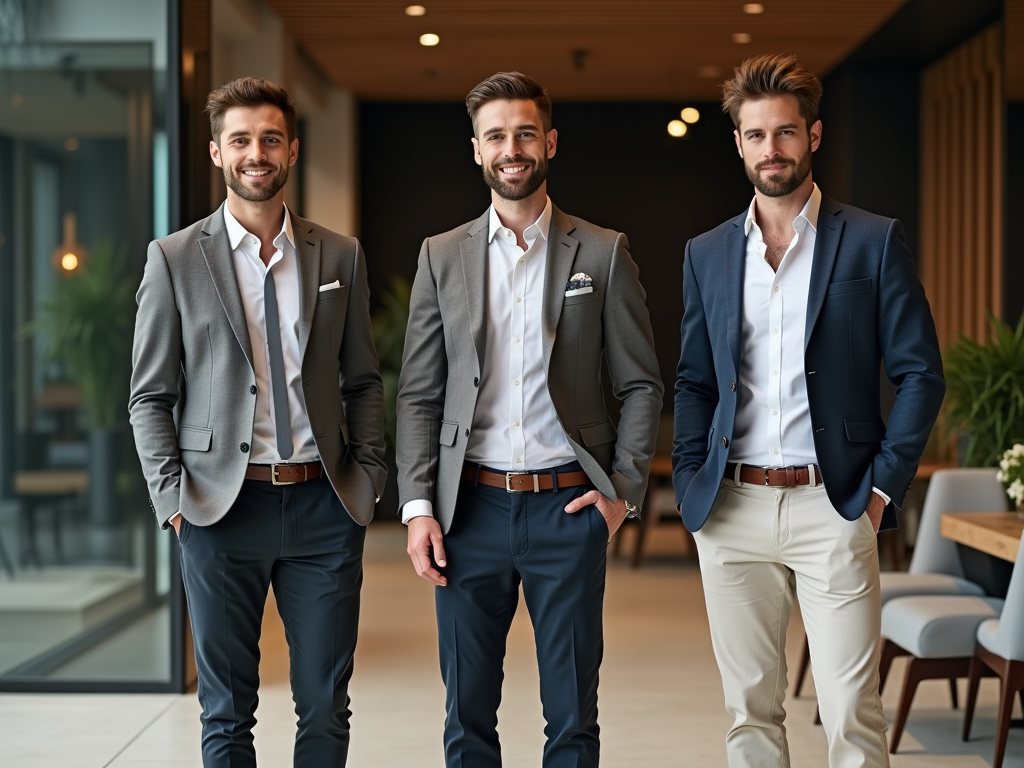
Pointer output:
x,y
258,415
510,468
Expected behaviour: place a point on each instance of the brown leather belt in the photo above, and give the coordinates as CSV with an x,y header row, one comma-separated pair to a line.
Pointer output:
x,y
523,481
783,477
284,474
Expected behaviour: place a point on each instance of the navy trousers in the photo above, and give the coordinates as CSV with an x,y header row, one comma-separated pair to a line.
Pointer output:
x,y
300,539
499,540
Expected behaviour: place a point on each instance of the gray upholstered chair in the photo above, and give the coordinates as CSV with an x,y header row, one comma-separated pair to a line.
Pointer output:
x,y
937,632
1000,648
935,566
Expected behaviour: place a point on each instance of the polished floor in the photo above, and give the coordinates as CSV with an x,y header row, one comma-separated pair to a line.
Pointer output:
x,y
661,704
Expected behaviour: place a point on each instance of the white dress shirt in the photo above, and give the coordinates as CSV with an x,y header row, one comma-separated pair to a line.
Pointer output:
x,y
773,417
515,425
250,272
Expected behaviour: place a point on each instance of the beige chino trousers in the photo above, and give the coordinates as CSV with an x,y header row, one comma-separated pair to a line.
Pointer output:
x,y
759,548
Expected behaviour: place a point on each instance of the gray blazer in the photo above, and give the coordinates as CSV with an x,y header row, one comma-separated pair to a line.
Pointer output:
x,y
191,324
445,354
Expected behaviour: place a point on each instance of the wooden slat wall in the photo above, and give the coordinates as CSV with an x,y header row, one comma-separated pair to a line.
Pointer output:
x,y
962,185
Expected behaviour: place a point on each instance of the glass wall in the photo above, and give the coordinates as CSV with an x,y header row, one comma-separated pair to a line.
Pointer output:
x,y
85,575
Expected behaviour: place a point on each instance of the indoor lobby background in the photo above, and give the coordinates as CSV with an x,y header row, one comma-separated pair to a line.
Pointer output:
x,y
103,147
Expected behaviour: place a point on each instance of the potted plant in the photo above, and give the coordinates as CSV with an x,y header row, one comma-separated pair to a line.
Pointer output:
x,y
87,324
985,393
1011,475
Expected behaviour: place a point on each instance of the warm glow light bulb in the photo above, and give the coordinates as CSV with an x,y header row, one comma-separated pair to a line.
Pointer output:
x,y
69,262
742,38
690,115
677,128
415,10
753,8
429,39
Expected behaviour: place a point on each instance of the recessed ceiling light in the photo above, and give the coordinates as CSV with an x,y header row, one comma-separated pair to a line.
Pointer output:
x,y
676,128
419,10
429,39
742,38
752,8
690,115
709,71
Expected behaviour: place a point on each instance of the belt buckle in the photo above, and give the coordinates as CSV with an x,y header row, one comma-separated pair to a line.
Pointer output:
x,y
510,475
273,476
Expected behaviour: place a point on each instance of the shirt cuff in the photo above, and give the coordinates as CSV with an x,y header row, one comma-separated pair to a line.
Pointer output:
x,y
885,498
417,508
170,520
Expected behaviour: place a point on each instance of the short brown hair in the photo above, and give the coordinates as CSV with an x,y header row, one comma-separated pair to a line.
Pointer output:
x,y
772,74
508,86
248,92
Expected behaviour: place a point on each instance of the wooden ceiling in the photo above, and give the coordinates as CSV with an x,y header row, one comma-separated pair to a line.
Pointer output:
x,y
631,49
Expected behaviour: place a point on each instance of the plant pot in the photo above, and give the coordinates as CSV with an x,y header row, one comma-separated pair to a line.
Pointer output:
x,y
106,536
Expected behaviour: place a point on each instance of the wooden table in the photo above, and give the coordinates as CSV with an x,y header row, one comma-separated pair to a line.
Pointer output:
x,y
40,486
995,533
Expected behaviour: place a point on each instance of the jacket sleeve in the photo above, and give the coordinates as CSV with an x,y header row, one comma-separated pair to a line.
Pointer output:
x,y
913,363
362,391
633,368
696,395
156,366
421,388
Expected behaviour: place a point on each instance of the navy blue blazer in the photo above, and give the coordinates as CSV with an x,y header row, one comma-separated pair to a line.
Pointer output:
x,y
865,307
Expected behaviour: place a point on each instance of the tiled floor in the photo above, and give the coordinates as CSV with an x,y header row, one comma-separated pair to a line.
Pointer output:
x,y
661,704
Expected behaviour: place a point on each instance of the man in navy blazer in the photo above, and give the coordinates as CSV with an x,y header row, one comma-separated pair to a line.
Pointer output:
x,y
783,466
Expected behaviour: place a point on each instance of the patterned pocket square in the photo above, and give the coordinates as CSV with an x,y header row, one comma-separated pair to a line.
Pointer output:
x,y
578,284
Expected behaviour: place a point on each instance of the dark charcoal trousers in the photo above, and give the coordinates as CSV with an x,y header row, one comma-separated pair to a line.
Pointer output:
x,y
497,541
300,539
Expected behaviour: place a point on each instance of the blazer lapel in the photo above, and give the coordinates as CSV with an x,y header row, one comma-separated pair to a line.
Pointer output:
x,y
557,270
474,273
307,251
735,269
217,252
826,246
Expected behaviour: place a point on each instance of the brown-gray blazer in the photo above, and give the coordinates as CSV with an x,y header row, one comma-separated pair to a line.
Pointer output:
x,y
445,354
191,323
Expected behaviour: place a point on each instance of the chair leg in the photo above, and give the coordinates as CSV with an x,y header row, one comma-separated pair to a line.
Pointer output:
x,y
890,651
805,663
973,680
1012,681
953,693
910,682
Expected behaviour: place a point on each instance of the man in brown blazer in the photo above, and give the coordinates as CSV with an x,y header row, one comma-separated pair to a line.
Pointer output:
x,y
271,468
511,470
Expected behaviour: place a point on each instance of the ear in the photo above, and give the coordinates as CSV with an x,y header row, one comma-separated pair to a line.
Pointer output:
x,y
215,154
815,135
739,144
293,152
551,139
476,152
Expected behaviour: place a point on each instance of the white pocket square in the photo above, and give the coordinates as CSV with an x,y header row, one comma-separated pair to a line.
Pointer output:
x,y
579,291
330,286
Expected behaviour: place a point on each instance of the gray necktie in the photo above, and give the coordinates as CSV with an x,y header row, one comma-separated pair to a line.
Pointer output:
x,y
278,387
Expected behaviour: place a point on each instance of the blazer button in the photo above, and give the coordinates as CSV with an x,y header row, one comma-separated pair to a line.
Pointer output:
x,y
252,389
244,447
476,381
732,386
467,433
725,442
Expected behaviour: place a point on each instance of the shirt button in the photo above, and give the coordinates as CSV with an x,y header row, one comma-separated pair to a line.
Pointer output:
x,y
776,451
244,447
775,372
515,423
518,299
252,389
519,461
521,261
516,382
775,413
776,289
775,330
515,339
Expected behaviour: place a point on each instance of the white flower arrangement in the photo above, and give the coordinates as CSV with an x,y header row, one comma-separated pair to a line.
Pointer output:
x,y
1011,473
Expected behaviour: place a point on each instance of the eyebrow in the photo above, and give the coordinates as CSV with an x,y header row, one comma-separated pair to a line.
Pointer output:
x,y
268,132
777,128
523,127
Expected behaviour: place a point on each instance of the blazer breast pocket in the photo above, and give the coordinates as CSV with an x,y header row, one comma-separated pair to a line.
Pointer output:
x,y
849,286
332,295
583,298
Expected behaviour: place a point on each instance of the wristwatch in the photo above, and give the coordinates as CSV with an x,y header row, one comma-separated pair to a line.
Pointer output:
x,y
630,509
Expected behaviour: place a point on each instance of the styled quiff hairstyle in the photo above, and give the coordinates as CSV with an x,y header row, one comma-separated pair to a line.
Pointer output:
x,y
248,92
772,74
508,86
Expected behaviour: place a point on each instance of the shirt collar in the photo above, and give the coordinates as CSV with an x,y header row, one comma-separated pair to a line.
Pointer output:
x,y
808,213
236,231
542,226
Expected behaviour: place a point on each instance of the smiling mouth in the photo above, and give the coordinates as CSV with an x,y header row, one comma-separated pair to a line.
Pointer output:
x,y
255,174
510,169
